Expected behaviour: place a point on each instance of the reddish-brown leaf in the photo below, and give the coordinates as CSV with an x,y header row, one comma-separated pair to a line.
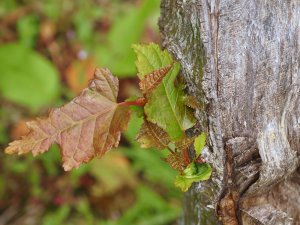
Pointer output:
x,y
151,135
184,143
176,161
152,80
192,102
87,127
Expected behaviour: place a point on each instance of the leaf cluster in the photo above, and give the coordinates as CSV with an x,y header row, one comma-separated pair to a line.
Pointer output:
x,y
91,124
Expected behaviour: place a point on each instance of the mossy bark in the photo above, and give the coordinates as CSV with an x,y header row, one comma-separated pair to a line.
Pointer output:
x,y
241,60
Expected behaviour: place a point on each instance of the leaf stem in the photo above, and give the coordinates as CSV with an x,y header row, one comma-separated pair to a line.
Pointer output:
x,y
186,156
138,102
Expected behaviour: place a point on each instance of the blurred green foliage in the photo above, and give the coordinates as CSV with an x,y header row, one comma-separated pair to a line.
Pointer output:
x,y
116,53
27,78
39,40
27,29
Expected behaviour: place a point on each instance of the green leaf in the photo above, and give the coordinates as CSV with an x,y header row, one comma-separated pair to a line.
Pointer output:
x,y
26,77
149,58
166,105
193,173
199,143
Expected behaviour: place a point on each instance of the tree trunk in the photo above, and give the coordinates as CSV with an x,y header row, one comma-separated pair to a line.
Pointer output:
x,y
242,59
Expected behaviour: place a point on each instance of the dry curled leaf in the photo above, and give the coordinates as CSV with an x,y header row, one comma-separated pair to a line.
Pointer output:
x,y
151,135
152,80
87,127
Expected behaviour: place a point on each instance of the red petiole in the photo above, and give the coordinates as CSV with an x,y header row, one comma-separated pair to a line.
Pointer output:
x,y
138,102
186,157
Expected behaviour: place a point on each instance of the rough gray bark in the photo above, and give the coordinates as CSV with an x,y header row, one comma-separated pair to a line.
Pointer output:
x,y
242,58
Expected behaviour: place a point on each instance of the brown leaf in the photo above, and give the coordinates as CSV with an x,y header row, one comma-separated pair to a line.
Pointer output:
x,y
184,143
192,102
176,161
88,126
152,80
151,135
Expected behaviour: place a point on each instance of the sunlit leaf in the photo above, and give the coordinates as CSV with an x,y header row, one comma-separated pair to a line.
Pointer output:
x,y
193,173
150,58
199,143
87,127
